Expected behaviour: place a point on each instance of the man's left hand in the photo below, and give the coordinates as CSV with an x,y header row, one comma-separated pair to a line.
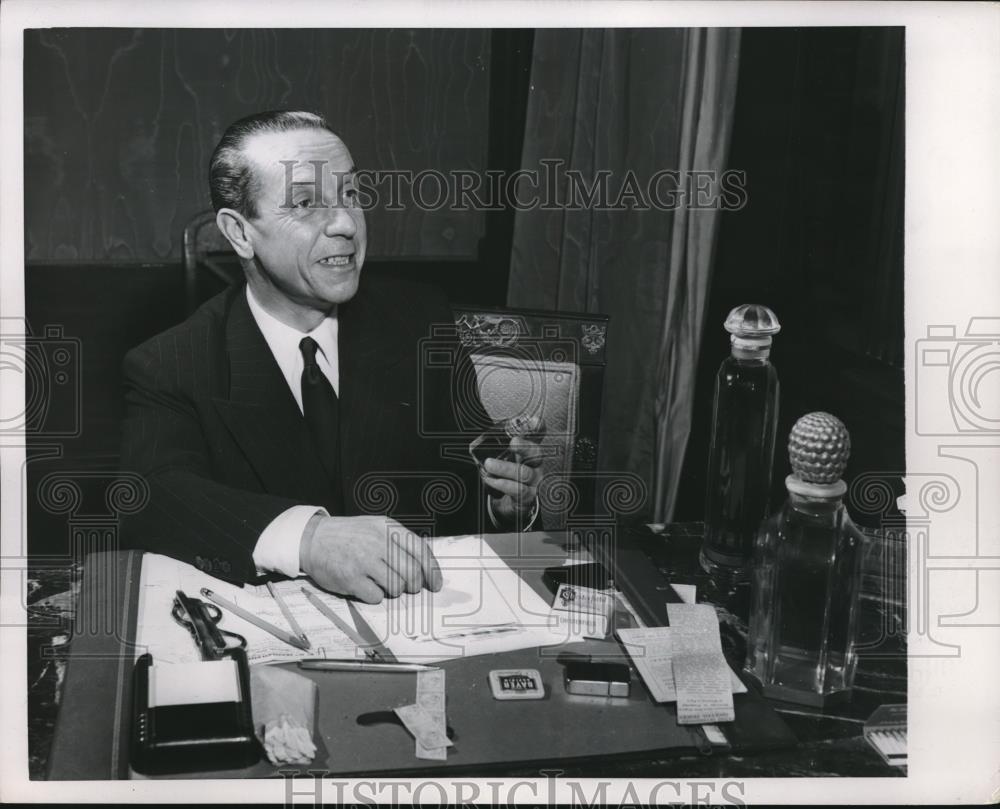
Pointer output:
x,y
515,482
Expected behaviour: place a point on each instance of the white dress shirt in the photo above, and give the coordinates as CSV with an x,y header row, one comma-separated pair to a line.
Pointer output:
x,y
277,549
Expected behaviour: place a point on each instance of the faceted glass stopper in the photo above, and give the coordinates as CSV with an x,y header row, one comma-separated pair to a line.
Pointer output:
x,y
818,448
752,320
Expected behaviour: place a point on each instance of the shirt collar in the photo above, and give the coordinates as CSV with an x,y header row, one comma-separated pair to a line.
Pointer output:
x,y
283,340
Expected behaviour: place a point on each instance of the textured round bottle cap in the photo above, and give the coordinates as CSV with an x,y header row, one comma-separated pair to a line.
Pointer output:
x,y
752,320
818,448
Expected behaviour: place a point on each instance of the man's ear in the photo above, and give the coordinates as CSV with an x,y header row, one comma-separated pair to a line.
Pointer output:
x,y
235,227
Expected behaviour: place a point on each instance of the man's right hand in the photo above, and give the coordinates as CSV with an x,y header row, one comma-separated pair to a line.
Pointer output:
x,y
367,557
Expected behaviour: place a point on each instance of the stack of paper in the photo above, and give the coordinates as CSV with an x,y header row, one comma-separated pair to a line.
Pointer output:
x,y
169,642
483,607
683,663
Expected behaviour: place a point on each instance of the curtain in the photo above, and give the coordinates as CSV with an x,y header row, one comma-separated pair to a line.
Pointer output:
x,y
632,104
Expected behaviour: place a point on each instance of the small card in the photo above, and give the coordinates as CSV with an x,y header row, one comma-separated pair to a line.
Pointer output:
x,y
200,683
582,599
423,726
704,691
430,697
696,616
701,675
577,625
516,684
652,651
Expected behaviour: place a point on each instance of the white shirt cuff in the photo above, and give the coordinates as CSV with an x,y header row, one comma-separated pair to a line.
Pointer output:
x,y
277,549
496,523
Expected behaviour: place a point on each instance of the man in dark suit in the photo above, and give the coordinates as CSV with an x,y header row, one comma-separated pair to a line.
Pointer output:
x,y
283,427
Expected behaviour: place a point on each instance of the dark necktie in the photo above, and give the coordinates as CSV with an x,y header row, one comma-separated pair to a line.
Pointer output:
x,y
322,413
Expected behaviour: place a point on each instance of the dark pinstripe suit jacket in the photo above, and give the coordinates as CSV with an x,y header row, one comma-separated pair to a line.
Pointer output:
x,y
215,431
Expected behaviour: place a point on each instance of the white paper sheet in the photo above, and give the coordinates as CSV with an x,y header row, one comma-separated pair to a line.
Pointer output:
x,y
701,676
423,727
694,616
482,607
652,650
431,698
194,683
170,642
688,593
580,626
704,693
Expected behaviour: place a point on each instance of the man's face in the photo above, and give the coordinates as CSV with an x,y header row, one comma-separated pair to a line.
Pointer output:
x,y
308,235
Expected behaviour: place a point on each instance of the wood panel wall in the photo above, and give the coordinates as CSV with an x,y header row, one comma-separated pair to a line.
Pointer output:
x,y
120,124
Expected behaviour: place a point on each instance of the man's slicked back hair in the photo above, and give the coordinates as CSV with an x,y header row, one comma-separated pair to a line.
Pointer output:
x,y
231,180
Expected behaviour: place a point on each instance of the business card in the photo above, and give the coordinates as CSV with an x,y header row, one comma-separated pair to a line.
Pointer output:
x,y
570,598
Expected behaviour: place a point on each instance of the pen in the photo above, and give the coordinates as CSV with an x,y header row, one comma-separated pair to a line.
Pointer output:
x,y
280,634
276,595
468,633
324,664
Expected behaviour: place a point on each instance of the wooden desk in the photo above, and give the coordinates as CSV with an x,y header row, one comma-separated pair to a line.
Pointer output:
x,y
831,741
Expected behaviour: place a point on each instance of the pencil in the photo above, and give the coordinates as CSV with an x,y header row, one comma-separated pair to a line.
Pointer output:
x,y
276,595
337,620
280,634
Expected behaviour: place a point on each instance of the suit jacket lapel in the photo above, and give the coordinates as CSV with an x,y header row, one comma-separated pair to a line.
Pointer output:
x,y
263,417
370,349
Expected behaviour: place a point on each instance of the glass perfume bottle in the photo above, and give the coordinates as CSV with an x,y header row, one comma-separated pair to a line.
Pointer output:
x,y
807,575
741,453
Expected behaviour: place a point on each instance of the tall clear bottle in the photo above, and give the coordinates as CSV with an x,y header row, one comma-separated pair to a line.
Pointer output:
x,y
807,576
741,454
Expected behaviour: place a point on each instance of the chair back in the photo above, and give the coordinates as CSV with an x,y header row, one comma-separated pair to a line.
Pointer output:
x,y
209,261
547,364
528,362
